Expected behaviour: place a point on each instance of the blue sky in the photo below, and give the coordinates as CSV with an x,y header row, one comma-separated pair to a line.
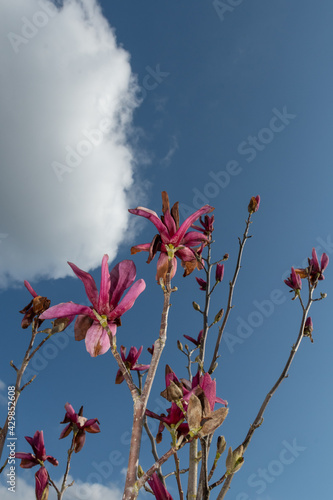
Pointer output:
x,y
213,104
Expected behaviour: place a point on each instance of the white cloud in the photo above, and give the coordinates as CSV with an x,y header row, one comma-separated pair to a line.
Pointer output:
x,y
67,98
79,491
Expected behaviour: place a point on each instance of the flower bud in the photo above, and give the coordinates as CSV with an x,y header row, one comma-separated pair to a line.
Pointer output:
x,y
219,316
196,306
221,444
219,272
234,460
179,345
254,204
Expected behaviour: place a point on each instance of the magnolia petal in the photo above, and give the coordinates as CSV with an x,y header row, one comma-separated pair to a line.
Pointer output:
x,y
81,326
79,440
140,368
324,261
92,426
144,247
122,276
66,431
170,223
104,293
163,266
194,413
97,340
119,377
89,284
186,254
128,300
27,460
66,309
179,235
159,490
193,239
52,460
153,217
29,287
214,421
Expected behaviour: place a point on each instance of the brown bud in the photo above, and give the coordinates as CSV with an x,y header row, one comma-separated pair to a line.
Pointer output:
x,y
196,306
221,444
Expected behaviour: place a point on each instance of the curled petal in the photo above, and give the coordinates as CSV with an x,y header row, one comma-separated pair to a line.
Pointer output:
x,y
153,217
92,426
89,284
144,247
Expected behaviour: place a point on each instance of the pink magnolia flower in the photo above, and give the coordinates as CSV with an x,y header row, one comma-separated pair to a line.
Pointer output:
x,y
106,303
158,488
130,362
207,225
172,240
197,341
207,384
174,418
294,282
38,457
79,425
29,460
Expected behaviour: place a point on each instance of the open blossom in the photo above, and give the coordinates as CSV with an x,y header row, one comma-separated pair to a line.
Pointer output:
x,y
207,225
130,362
79,425
172,239
38,457
106,303
158,488
173,419
35,307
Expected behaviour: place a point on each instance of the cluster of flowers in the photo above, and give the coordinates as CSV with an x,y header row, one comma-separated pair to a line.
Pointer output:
x,y
77,424
192,412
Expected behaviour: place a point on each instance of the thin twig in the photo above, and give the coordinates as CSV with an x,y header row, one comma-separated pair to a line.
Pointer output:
x,y
231,291
259,418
